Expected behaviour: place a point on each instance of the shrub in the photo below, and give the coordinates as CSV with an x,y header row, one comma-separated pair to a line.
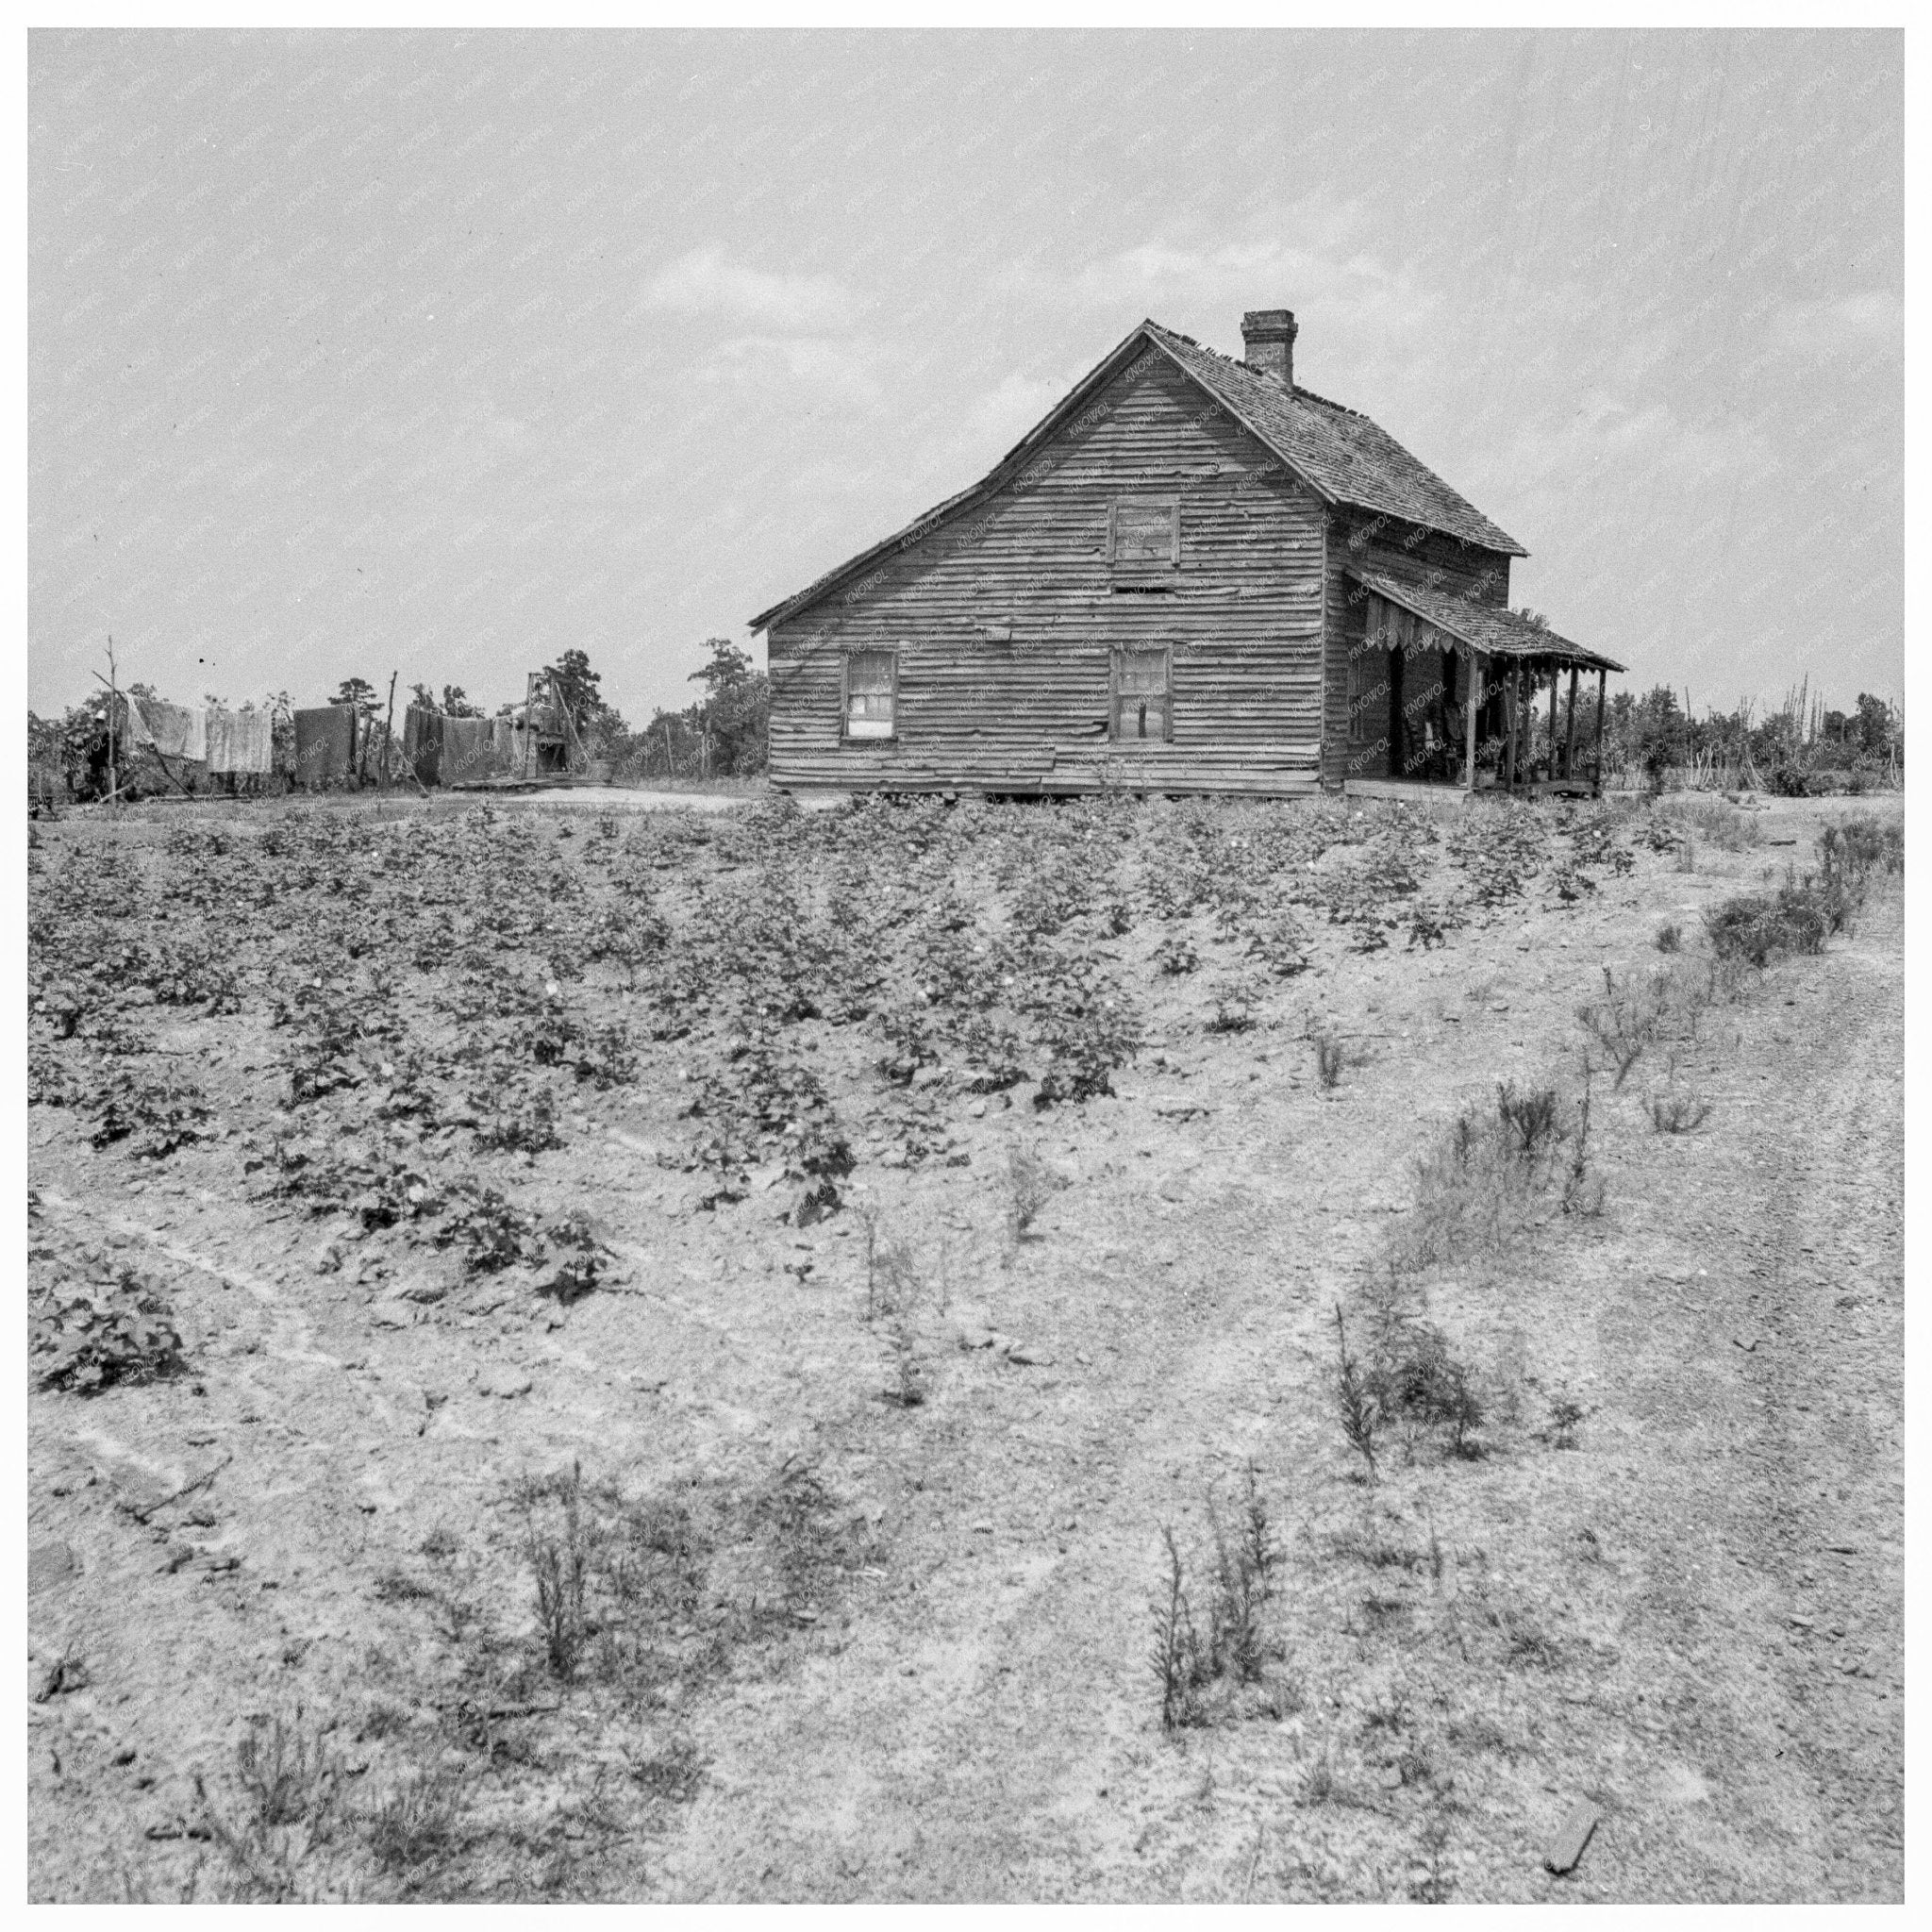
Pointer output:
x,y
1531,1122
1670,938
1360,1412
1625,1020
1475,1188
1851,851
1760,928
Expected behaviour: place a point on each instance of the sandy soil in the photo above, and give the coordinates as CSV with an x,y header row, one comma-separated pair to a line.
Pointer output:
x,y
1690,1618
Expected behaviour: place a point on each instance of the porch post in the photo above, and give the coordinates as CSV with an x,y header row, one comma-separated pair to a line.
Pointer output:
x,y
1474,679
1570,737
1509,730
1603,680
1553,721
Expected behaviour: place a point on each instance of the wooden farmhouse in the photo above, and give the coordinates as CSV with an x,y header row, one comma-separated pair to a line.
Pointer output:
x,y
1194,576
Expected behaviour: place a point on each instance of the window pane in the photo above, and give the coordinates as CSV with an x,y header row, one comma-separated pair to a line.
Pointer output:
x,y
869,671
1142,672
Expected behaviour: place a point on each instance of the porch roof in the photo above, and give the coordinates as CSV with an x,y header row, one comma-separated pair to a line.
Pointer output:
x,y
1483,627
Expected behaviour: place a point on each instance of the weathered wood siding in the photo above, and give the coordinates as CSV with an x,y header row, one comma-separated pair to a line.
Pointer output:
x,y
1005,619
1404,551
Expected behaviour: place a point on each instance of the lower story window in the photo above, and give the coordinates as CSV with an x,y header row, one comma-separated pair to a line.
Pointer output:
x,y
1141,705
872,693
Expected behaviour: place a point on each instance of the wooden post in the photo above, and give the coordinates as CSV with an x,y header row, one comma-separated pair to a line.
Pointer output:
x,y
1570,735
1552,721
113,717
1509,730
1596,788
1469,697
388,734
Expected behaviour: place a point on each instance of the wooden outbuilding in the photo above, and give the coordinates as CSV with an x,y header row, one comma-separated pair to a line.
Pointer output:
x,y
1193,576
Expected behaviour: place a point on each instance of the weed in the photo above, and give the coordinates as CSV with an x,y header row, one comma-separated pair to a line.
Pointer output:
x,y
1361,1415
1530,1648
1235,998
1625,1020
290,1788
1431,1884
672,1773
1531,1122
1030,1185
1565,1417
906,1390
1670,938
1331,1056
1177,1645
1583,1192
413,1826
557,1547
894,1283
1240,1588
1319,1784
1676,1111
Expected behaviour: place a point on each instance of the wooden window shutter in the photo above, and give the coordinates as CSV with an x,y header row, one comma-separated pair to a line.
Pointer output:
x,y
1143,544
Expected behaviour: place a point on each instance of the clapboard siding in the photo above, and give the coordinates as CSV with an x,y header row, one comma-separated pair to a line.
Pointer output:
x,y
1005,617
1409,553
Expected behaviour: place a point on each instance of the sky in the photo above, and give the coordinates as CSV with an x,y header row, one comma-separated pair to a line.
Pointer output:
x,y
444,353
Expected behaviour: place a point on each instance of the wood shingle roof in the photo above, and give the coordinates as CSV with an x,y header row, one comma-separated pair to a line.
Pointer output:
x,y
1485,627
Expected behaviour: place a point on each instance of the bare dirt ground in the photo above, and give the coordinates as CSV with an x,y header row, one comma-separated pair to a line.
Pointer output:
x,y
895,1530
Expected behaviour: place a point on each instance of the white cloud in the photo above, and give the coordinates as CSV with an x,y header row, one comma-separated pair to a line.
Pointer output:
x,y
707,282
1851,323
844,369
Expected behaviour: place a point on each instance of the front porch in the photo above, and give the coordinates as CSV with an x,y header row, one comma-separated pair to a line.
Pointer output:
x,y
1444,692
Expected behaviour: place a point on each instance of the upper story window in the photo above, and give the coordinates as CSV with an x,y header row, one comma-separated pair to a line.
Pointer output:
x,y
872,693
1143,543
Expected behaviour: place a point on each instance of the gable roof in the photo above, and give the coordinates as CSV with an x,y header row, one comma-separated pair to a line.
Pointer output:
x,y
1340,455
1482,627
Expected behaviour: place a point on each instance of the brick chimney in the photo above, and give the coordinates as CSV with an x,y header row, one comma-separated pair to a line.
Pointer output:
x,y
1268,342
